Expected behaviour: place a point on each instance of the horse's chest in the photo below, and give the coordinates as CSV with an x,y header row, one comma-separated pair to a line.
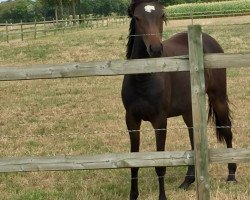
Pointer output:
x,y
144,105
143,97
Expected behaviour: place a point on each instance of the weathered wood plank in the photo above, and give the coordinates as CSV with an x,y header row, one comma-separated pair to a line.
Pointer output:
x,y
199,111
103,68
108,161
111,68
118,160
227,60
229,155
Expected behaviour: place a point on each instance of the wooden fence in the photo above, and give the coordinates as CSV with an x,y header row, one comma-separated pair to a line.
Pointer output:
x,y
35,29
42,28
194,63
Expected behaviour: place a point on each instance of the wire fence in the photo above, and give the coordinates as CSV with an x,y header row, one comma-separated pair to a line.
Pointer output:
x,y
94,132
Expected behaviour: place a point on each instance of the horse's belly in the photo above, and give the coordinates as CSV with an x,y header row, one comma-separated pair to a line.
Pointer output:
x,y
145,110
177,108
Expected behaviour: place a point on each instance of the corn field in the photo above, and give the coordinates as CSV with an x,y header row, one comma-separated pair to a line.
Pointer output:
x,y
225,7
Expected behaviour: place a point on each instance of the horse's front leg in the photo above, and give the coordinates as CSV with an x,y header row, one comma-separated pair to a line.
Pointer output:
x,y
160,133
133,126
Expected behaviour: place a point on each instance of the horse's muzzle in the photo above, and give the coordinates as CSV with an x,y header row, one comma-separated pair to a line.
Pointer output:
x,y
155,51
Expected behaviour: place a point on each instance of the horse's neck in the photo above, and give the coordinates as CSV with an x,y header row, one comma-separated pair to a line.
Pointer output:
x,y
139,49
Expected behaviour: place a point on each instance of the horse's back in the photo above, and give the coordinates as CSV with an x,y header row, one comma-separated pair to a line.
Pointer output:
x,y
178,45
215,79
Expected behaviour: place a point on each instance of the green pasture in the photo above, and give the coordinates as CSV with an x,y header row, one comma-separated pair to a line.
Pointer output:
x,y
84,116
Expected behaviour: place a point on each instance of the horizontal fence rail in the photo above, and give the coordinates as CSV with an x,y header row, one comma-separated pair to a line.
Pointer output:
x,y
120,67
19,30
119,160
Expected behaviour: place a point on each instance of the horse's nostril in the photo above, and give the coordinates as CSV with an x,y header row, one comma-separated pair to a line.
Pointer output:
x,y
155,50
150,48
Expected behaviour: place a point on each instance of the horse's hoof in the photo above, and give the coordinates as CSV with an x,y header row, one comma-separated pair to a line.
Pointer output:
x,y
134,196
163,198
184,185
231,179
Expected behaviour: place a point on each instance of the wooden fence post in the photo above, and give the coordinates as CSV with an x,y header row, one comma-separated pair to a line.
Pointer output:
x,y
35,30
192,18
44,24
65,24
199,111
84,22
21,23
97,22
54,26
7,31
102,21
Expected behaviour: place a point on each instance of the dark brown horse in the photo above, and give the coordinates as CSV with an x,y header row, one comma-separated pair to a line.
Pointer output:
x,y
156,97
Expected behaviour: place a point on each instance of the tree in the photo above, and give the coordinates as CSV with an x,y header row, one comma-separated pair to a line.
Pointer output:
x,y
14,11
56,5
73,8
79,9
61,7
101,7
28,10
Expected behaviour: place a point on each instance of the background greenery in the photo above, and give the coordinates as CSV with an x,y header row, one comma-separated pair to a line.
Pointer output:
x,y
29,10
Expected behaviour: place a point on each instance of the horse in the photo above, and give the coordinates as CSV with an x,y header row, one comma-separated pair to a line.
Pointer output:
x,y
157,96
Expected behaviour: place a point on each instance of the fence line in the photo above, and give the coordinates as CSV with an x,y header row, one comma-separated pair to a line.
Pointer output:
x,y
20,29
119,160
120,67
8,136
54,26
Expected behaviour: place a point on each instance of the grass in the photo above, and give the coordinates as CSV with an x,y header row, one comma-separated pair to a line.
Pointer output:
x,y
85,116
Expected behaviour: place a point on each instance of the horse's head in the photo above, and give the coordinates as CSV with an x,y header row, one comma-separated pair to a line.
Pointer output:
x,y
149,16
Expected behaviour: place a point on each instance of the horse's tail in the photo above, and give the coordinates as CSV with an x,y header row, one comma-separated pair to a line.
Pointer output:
x,y
220,126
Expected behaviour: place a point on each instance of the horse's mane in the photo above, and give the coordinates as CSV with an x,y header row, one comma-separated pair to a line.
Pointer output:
x,y
131,36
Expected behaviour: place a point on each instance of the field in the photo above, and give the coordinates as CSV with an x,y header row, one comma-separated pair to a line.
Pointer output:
x,y
221,7
85,116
